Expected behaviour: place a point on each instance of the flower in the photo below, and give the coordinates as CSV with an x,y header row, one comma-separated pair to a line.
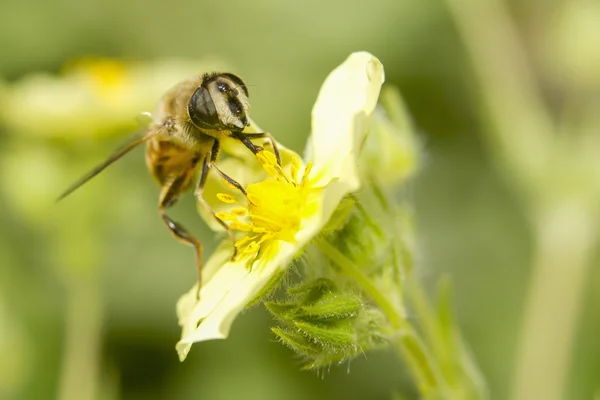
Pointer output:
x,y
92,97
287,208
275,207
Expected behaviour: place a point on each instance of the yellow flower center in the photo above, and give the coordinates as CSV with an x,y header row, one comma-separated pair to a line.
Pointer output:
x,y
275,207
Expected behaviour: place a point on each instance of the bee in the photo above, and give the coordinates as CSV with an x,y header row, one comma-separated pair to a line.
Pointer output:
x,y
184,137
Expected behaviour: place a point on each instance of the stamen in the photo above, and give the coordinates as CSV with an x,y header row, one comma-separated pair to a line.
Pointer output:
x,y
283,174
251,248
243,241
239,212
258,229
266,157
225,216
226,198
272,171
306,174
269,163
265,219
240,226
275,207
227,184
295,168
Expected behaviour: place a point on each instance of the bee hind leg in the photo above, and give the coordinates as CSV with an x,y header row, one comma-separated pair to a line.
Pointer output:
x,y
168,197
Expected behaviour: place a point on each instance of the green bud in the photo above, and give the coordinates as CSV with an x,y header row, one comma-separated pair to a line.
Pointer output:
x,y
391,151
297,342
316,301
268,288
363,240
326,324
315,355
311,291
336,336
285,312
340,215
333,306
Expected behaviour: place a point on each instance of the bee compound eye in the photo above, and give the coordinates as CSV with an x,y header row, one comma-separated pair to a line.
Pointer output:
x,y
202,110
222,87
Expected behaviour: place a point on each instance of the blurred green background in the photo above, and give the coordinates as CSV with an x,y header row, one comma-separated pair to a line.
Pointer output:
x,y
471,224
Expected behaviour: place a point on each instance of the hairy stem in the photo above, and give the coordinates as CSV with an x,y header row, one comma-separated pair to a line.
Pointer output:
x,y
407,341
350,269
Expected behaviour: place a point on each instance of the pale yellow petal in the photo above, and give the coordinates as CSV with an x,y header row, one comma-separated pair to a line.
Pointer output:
x,y
341,116
232,287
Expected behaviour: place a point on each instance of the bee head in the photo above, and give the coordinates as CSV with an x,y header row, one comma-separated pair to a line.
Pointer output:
x,y
220,103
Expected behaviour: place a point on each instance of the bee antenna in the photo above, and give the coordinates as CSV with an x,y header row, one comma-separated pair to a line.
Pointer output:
x,y
116,155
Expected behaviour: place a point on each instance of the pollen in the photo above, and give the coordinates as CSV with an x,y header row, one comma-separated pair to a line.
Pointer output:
x,y
276,207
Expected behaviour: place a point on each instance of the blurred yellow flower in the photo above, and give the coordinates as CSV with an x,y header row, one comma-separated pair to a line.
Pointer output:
x,y
289,208
91,97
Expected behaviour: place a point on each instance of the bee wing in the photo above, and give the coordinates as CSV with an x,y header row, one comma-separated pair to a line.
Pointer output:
x,y
116,155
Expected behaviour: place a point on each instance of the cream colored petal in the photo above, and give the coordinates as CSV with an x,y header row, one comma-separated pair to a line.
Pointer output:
x,y
224,295
341,117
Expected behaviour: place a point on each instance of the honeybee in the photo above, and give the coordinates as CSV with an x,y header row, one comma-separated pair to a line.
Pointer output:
x,y
192,118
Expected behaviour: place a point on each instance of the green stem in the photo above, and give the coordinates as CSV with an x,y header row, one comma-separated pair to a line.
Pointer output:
x,y
392,312
417,356
81,354
422,364
564,245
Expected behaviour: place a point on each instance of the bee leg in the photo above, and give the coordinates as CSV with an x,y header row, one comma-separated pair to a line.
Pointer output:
x,y
246,137
168,197
229,179
207,164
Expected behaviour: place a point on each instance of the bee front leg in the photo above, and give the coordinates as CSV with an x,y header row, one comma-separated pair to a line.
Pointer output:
x,y
228,179
245,138
207,163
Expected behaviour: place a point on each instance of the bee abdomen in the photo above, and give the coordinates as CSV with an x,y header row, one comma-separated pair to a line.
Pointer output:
x,y
166,159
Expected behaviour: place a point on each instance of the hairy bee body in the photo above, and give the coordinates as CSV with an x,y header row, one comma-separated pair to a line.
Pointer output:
x,y
166,158
191,120
180,141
